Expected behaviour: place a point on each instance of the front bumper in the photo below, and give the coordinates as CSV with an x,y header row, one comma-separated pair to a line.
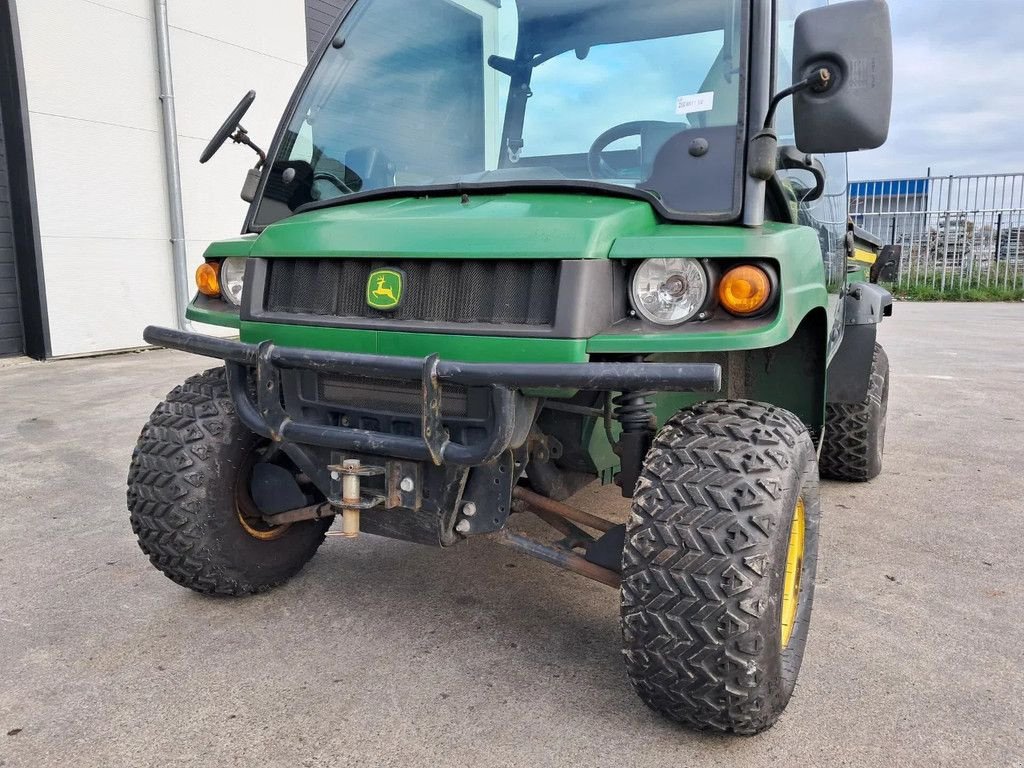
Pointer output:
x,y
260,408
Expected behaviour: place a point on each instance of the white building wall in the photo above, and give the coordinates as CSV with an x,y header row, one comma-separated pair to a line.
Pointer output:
x,y
92,88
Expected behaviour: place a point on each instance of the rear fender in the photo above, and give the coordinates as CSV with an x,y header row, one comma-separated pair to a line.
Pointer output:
x,y
849,371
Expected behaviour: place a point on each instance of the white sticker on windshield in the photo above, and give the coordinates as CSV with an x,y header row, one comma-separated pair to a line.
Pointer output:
x,y
699,102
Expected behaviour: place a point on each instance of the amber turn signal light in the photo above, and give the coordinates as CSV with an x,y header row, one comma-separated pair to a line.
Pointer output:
x,y
208,279
745,290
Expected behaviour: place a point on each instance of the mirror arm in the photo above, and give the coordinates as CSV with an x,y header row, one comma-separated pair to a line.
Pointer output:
x,y
764,146
241,136
821,81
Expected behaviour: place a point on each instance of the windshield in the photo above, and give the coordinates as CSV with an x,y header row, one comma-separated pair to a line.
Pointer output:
x,y
642,97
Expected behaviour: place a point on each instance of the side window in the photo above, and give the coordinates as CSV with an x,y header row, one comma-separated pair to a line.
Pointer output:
x,y
828,214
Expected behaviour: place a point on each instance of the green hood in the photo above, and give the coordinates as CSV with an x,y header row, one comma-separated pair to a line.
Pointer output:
x,y
521,226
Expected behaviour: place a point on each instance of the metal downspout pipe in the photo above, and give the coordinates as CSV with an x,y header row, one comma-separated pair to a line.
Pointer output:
x,y
182,294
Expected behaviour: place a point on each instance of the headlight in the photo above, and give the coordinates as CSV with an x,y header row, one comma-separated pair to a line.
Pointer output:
x,y
232,277
669,291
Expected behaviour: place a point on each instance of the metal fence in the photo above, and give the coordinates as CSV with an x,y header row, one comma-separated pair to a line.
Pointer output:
x,y
955,231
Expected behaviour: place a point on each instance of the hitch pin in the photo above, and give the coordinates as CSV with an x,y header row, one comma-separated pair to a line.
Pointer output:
x,y
350,498
350,472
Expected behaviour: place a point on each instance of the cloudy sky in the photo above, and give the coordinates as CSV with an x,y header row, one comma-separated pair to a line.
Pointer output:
x,y
959,95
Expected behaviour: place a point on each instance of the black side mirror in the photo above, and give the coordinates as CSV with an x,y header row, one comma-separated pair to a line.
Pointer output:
x,y
853,42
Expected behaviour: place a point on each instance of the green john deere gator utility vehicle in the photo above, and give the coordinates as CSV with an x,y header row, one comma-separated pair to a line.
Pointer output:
x,y
499,250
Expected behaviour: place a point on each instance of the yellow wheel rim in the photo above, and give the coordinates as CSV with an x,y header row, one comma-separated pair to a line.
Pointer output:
x,y
794,568
267,534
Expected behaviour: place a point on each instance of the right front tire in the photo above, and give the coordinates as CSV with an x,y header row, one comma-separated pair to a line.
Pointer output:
x,y
719,565
189,501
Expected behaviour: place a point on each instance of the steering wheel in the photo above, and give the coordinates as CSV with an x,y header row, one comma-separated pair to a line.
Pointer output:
x,y
225,131
334,181
651,132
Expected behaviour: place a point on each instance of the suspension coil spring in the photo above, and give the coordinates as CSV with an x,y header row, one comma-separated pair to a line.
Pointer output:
x,y
634,411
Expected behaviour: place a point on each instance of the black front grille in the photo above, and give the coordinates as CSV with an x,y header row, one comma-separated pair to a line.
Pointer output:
x,y
435,290
400,397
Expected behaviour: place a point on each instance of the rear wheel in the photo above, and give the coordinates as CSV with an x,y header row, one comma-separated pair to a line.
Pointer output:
x,y
188,494
855,432
719,565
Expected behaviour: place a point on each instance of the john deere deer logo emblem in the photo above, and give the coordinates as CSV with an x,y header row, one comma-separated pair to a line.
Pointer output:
x,y
384,289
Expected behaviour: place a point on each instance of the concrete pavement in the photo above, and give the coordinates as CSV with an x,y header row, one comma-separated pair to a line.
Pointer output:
x,y
383,653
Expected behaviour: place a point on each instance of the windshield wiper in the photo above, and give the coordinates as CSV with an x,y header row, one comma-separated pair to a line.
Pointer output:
x,y
578,186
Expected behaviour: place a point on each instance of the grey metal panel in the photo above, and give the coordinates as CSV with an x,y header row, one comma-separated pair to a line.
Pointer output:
x,y
11,334
320,16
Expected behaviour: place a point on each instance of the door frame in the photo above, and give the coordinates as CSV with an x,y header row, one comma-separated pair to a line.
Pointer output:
x,y
25,219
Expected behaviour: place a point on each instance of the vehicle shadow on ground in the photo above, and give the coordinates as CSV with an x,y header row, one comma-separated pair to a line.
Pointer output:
x,y
479,587
475,625
448,608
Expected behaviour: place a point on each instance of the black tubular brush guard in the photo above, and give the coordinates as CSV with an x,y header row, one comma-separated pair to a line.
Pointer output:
x,y
266,416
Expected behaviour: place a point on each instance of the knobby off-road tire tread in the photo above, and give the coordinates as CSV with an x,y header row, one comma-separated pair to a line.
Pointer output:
x,y
698,618
170,485
855,432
